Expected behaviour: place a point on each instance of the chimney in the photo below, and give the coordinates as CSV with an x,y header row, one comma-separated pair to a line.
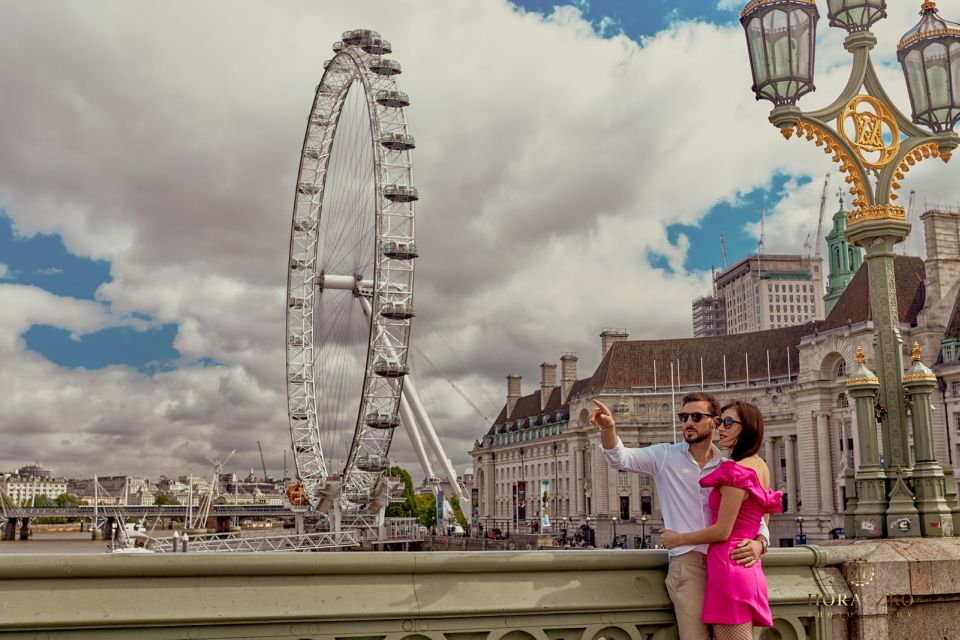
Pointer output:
x,y
513,392
548,382
568,375
942,234
609,336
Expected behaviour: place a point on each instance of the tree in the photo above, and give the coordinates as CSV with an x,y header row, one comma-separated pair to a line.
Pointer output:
x,y
67,500
426,509
407,508
458,512
163,499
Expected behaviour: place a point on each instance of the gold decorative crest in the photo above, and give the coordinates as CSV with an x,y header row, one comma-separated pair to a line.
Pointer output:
x,y
876,212
876,136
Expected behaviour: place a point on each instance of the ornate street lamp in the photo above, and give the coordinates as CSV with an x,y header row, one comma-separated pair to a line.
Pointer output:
x,y
781,35
855,15
930,55
875,145
643,532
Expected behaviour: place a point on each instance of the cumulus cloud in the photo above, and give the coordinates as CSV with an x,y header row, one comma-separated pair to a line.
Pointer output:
x,y
5,273
550,161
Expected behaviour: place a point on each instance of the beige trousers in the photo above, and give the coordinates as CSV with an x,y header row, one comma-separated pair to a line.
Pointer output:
x,y
686,584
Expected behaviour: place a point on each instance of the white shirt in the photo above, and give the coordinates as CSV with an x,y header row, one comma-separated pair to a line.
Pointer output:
x,y
676,474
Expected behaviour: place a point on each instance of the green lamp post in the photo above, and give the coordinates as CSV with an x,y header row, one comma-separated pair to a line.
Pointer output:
x,y
875,145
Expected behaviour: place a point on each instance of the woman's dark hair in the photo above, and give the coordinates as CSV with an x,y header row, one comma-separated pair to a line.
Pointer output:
x,y
751,429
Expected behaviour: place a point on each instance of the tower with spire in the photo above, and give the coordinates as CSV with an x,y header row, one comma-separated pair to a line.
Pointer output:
x,y
844,259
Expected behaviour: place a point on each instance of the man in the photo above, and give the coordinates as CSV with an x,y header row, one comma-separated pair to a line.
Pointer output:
x,y
676,470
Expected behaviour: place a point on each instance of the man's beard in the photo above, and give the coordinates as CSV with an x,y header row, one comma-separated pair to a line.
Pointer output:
x,y
700,437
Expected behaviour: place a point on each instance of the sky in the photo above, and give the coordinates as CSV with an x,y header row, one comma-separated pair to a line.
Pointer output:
x,y
577,162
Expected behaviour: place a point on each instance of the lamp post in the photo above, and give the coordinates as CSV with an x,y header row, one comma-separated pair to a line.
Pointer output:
x,y
613,545
643,532
589,540
875,145
801,539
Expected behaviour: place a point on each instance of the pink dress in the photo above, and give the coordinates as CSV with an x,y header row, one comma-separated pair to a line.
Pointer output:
x,y
736,595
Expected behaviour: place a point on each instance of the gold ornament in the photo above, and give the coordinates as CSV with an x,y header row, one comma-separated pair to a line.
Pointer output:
x,y
871,121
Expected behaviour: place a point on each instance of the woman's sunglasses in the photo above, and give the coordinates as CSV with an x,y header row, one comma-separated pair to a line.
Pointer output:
x,y
726,422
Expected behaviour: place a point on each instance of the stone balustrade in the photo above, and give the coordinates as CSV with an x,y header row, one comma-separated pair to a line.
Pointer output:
x,y
527,595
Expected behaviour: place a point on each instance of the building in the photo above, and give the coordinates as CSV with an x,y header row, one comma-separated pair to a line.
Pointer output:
x,y
845,259
709,317
770,291
795,374
25,490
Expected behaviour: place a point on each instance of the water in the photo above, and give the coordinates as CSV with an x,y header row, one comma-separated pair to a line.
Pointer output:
x,y
60,542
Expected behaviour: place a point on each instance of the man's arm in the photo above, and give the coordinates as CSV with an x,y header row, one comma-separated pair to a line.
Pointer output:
x,y
747,552
646,460
730,501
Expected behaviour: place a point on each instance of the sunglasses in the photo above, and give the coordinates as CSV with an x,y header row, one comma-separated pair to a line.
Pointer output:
x,y
726,422
696,416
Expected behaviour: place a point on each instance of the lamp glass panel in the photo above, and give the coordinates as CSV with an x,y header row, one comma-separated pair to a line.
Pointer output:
x,y
778,43
801,44
835,5
918,91
758,54
938,80
955,71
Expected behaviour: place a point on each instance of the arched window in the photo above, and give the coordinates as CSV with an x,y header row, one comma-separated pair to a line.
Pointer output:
x,y
842,369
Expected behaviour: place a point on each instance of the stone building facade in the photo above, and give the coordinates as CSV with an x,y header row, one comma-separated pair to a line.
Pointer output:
x,y
796,375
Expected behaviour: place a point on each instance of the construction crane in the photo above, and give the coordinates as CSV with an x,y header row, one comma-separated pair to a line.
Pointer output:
x,y
907,246
726,258
823,208
262,463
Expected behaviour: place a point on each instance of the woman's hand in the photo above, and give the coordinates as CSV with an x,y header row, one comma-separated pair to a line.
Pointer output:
x,y
670,538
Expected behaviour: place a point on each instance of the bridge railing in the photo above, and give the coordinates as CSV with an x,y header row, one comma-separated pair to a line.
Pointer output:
x,y
546,595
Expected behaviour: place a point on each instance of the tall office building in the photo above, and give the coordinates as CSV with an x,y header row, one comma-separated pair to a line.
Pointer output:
x,y
761,292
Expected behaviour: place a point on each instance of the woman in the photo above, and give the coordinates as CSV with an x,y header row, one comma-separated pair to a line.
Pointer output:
x,y
736,597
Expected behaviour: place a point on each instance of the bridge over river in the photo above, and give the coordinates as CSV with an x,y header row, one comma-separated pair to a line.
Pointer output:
x,y
105,516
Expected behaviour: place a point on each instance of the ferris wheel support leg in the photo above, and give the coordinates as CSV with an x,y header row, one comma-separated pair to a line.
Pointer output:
x,y
430,434
413,432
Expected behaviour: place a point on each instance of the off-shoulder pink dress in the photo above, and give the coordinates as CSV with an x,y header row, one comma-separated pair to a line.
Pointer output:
x,y
735,594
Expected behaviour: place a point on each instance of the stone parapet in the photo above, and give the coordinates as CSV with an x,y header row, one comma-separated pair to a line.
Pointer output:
x,y
897,588
541,595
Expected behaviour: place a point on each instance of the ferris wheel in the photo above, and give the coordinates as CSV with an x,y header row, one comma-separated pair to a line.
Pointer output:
x,y
350,277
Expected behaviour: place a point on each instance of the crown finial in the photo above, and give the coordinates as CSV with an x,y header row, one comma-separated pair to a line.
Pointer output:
x,y
915,354
861,358
928,5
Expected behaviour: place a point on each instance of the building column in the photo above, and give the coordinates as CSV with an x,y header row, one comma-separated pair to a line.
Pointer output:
x,y
579,502
791,474
770,454
823,453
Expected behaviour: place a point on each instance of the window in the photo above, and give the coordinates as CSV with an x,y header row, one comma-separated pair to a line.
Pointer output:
x,y
956,420
646,505
955,388
623,480
843,400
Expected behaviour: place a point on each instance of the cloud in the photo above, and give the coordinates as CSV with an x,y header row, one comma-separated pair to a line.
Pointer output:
x,y
49,271
730,5
550,161
5,273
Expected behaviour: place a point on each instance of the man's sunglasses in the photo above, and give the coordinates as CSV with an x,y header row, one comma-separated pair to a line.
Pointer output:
x,y
696,416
